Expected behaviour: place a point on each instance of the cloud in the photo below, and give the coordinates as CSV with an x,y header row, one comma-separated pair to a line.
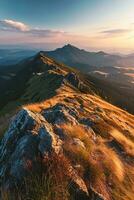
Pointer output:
x,y
45,32
10,25
17,33
15,26
115,32
14,32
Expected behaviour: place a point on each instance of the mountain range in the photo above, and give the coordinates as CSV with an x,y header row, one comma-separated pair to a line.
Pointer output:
x,y
74,56
110,82
113,75
60,138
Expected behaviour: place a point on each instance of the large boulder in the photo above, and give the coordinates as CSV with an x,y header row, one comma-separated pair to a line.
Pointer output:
x,y
28,137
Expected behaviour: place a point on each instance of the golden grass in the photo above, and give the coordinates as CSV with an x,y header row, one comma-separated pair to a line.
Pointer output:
x,y
100,163
102,129
103,154
38,107
77,155
91,170
79,132
127,144
111,162
124,190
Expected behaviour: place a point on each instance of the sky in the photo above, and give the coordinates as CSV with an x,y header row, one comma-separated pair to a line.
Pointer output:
x,y
47,24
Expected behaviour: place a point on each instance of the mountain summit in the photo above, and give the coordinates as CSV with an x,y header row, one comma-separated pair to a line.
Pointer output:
x,y
82,59
65,142
69,46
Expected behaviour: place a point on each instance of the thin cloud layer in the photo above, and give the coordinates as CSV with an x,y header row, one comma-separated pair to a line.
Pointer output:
x,y
115,32
15,26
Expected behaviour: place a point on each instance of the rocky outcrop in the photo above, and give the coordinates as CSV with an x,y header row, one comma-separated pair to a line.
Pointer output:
x,y
28,136
73,79
61,113
31,136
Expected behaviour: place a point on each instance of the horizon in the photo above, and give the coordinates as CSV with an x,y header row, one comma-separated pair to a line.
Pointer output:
x,y
94,26
28,48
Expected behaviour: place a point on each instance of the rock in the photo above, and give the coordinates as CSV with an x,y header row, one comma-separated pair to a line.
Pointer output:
x,y
29,136
60,113
73,79
97,196
80,191
86,121
48,141
59,131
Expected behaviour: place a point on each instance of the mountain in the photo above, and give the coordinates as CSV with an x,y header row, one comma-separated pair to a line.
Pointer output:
x,y
82,59
113,73
13,56
109,82
64,141
114,69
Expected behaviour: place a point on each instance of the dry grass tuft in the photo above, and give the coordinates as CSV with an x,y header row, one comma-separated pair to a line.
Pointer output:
x,y
80,133
111,162
104,155
76,154
127,144
98,162
38,107
49,180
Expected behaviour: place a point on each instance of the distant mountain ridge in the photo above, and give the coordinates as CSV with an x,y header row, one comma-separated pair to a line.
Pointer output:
x,y
113,73
82,59
13,56
72,56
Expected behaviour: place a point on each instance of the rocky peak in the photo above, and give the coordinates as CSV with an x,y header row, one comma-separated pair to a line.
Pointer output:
x,y
101,53
69,47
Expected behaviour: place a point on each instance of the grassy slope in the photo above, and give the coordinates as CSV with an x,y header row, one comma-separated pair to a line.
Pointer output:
x,y
107,161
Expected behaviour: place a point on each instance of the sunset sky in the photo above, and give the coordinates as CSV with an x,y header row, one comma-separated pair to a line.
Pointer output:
x,y
91,24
